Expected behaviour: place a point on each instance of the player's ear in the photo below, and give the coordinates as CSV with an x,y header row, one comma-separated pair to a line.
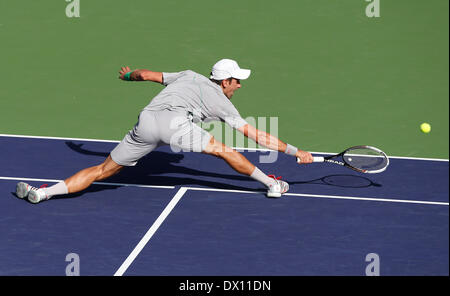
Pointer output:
x,y
226,82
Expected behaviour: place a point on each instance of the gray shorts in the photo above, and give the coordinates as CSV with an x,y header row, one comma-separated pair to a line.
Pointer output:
x,y
157,128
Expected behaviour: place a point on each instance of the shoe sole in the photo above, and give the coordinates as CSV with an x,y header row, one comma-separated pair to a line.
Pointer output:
x,y
33,197
21,190
276,195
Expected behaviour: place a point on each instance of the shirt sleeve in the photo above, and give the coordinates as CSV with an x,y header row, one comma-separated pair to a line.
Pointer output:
x,y
169,78
235,122
232,117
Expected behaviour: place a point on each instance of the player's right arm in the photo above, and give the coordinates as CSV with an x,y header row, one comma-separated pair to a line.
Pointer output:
x,y
269,141
141,75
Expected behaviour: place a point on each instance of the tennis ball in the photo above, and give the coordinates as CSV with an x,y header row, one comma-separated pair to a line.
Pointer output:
x,y
425,127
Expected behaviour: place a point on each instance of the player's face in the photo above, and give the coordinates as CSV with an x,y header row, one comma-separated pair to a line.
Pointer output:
x,y
230,86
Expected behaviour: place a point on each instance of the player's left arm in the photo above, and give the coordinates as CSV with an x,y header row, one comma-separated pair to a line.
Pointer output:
x,y
271,142
141,75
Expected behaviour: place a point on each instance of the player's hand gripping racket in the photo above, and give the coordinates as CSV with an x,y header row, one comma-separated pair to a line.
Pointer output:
x,y
363,159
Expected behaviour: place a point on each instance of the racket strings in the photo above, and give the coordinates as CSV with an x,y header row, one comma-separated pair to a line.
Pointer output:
x,y
365,159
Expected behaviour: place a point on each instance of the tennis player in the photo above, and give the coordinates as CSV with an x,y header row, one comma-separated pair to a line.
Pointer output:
x,y
170,119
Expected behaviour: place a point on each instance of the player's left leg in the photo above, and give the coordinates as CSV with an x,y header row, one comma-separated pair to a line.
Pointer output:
x,y
180,132
275,188
234,159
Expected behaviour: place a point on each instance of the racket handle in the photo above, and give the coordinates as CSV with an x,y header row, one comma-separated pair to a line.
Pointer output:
x,y
315,159
318,159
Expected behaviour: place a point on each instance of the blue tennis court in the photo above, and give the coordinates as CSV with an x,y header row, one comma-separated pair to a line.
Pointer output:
x,y
189,214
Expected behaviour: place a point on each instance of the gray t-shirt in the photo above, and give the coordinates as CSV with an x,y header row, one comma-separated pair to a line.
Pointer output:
x,y
195,94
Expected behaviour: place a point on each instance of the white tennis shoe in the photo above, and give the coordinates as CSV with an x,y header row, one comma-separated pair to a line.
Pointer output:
x,y
37,195
22,189
276,190
33,194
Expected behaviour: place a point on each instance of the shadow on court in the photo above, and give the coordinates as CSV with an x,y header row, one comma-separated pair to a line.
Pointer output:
x,y
158,162
150,168
342,180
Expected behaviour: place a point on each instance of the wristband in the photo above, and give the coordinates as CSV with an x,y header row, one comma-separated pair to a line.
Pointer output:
x,y
291,150
127,76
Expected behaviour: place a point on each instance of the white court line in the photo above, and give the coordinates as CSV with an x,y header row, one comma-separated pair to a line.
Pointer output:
x,y
371,199
244,191
331,196
151,232
58,138
97,183
236,148
222,190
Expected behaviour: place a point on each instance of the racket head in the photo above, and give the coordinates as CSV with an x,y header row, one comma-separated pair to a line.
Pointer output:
x,y
365,159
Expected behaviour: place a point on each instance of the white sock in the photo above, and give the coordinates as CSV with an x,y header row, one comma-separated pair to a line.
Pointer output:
x,y
263,178
57,189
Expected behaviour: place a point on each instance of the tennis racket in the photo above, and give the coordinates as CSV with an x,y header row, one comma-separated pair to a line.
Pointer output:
x,y
363,159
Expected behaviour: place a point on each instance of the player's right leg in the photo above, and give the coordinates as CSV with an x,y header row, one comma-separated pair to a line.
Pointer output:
x,y
78,182
137,143
84,178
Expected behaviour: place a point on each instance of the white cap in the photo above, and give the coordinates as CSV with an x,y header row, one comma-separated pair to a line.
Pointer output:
x,y
227,68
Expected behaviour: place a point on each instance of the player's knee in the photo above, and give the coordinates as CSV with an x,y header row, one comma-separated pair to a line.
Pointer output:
x,y
215,147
